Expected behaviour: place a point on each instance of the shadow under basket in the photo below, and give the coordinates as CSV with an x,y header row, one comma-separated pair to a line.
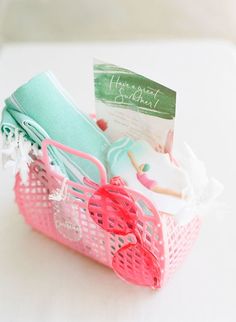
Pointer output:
x,y
109,222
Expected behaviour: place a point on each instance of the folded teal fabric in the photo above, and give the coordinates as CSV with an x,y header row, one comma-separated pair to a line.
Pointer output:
x,y
42,109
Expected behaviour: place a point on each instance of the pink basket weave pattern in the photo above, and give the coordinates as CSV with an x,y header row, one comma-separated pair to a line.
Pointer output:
x,y
164,244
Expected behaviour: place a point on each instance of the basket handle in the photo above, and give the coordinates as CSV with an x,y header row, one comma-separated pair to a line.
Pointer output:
x,y
45,158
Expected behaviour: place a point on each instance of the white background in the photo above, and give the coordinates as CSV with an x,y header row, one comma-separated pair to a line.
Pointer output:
x,y
43,281
63,20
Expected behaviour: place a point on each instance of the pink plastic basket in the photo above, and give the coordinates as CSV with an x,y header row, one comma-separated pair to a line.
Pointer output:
x,y
112,224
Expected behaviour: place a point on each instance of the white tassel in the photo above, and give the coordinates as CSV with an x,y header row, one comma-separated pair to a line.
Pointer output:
x,y
201,191
18,153
59,194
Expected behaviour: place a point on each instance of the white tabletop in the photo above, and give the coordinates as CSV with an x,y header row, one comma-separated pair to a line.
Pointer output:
x,y
41,280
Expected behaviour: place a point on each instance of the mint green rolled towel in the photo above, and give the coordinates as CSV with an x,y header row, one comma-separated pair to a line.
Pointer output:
x,y
42,109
